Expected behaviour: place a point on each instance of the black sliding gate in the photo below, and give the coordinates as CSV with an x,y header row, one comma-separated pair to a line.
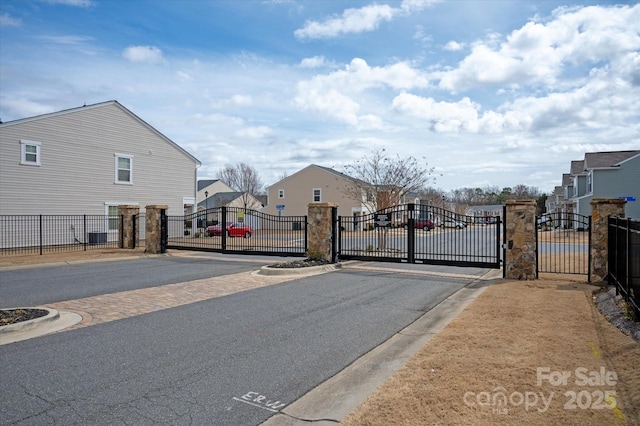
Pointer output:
x,y
245,232
564,242
421,234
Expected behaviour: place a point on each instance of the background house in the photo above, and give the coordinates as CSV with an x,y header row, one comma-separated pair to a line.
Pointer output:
x,y
209,187
611,174
89,160
313,184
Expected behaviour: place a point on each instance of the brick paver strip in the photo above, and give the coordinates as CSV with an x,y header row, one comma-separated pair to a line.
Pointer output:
x,y
125,304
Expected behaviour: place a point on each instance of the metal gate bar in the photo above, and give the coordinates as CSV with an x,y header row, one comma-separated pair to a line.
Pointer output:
x,y
564,241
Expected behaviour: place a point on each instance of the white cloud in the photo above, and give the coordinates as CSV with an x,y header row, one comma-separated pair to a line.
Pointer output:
x,y
440,116
143,54
254,132
352,21
314,62
453,46
75,3
538,53
410,6
364,19
7,21
68,39
334,94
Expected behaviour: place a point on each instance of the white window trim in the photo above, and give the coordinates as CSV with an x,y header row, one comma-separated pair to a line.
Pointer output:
x,y
23,152
119,182
313,195
280,193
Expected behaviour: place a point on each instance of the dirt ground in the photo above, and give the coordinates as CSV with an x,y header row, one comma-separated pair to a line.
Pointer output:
x,y
523,353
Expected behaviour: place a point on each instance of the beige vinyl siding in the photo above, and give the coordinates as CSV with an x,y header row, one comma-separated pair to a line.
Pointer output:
x,y
298,192
77,171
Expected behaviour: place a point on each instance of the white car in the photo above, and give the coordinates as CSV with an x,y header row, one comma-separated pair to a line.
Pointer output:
x,y
450,223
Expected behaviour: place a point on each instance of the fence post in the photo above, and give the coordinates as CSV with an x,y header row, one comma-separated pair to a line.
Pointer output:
x,y
320,231
153,225
601,210
520,261
128,232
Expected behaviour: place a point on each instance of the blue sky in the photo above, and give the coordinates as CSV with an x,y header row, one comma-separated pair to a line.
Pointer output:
x,y
489,93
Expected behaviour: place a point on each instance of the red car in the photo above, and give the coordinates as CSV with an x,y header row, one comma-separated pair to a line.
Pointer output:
x,y
425,224
233,230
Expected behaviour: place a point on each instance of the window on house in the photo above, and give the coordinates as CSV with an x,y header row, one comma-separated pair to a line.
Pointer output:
x,y
112,218
29,153
280,193
124,168
589,183
317,195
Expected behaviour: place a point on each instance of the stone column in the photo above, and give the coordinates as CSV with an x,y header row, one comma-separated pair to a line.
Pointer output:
x,y
520,261
319,231
601,210
127,235
153,230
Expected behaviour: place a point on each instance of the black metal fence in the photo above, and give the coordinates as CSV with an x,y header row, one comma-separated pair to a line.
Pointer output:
x,y
244,231
563,243
421,234
624,259
29,234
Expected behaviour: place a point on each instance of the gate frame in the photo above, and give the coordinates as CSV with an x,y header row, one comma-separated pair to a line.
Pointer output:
x,y
410,209
562,218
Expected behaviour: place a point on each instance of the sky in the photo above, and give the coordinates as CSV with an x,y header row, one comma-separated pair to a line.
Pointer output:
x,y
487,93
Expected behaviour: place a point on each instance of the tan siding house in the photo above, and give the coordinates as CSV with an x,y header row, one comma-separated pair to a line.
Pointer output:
x,y
313,184
87,160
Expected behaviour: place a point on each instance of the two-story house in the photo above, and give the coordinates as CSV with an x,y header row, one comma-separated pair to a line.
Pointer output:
x,y
611,174
89,160
313,184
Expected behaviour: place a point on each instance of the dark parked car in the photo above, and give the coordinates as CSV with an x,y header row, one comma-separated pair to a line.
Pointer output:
x,y
424,224
233,230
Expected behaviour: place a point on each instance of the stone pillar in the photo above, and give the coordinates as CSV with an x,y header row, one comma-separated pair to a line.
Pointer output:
x,y
319,231
601,210
128,239
153,230
520,261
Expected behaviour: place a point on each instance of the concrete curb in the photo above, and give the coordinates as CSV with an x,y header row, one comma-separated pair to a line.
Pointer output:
x,y
50,323
309,270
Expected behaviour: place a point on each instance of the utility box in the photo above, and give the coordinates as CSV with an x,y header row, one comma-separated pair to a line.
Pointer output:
x,y
97,237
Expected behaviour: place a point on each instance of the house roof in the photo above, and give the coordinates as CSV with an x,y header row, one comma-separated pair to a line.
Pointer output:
x,y
326,169
202,184
577,167
566,179
101,105
221,199
598,160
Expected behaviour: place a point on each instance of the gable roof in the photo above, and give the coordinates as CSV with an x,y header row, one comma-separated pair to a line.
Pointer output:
x,y
599,160
202,184
577,167
326,169
102,105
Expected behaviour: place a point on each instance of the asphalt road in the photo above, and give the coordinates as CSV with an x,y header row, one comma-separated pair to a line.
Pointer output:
x,y
234,360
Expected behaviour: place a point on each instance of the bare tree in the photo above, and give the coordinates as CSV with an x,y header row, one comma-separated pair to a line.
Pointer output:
x,y
242,178
381,182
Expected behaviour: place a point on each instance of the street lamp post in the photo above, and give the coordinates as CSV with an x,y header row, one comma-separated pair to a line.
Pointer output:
x,y
206,208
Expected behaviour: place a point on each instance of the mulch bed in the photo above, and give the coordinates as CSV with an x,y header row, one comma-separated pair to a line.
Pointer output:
x,y
303,263
13,316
